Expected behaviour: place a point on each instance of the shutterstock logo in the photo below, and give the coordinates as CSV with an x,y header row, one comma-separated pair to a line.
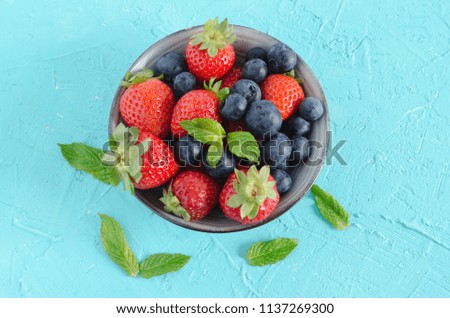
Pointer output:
x,y
284,154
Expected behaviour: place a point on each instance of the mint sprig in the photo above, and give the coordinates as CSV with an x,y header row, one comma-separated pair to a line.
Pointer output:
x,y
208,131
270,252
330,208
116,246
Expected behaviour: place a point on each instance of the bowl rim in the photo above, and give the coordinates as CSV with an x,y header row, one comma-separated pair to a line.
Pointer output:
x,y
237,227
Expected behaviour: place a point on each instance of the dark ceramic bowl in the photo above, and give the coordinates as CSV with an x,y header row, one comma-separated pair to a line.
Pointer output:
x,y
303,176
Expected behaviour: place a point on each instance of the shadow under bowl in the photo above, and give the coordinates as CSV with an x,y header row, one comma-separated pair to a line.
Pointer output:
x,y
303,175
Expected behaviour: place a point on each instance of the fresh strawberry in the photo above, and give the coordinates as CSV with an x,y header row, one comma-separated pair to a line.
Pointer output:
x,y
234,75
209,54
284,91
191,195
200,103
139,160
147,105
249,196
159,165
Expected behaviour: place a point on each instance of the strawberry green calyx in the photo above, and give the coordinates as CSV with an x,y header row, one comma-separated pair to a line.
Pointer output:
x,y
215,36
172,204
139,77
252,189
214,87
291,73
125,155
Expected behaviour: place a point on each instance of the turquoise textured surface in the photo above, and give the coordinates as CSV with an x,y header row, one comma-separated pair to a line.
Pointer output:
x,y
384,67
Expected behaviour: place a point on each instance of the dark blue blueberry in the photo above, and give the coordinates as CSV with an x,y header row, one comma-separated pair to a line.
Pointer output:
x,y
311,108
188,151
255,70
298,126
263,119
234,107
247,88
224,167
300,148
281,58
183,83
282,179
170,65
276,150
256,53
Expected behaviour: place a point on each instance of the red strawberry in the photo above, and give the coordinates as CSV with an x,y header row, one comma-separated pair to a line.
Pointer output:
x,y
148,106
234,75
249,196
159,165
200,103
284,91
209,54
191,195
140,160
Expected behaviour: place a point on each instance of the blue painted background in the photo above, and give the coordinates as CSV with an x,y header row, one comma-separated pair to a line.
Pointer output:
x,y
384,66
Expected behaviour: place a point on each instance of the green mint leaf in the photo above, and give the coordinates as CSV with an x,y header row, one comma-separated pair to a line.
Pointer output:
x,y
160,264
244,145
116,245
214,154
330,208
204,130
270,252
89,159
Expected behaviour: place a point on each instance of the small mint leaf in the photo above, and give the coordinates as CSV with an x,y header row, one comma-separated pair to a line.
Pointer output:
x,y
330,208
160,264
89,159
116,246
244,145
270,252
214,154
205,130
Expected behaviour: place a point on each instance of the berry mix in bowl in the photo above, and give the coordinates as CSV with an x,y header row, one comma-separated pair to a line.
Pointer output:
x,y
224,128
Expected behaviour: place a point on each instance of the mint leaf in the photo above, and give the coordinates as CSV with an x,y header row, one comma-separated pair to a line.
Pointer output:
x,y
116,246
214,154
244,145
330,208
159,264
205,130
88,159
270,252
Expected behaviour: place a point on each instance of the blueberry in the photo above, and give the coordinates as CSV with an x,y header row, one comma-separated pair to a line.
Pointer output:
x,y
282,180
276,150
224,167
247,88
255,70
311,108
188,151
170,65
300,148
234,107
263,119
281,58
183,83
298,126
256,53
